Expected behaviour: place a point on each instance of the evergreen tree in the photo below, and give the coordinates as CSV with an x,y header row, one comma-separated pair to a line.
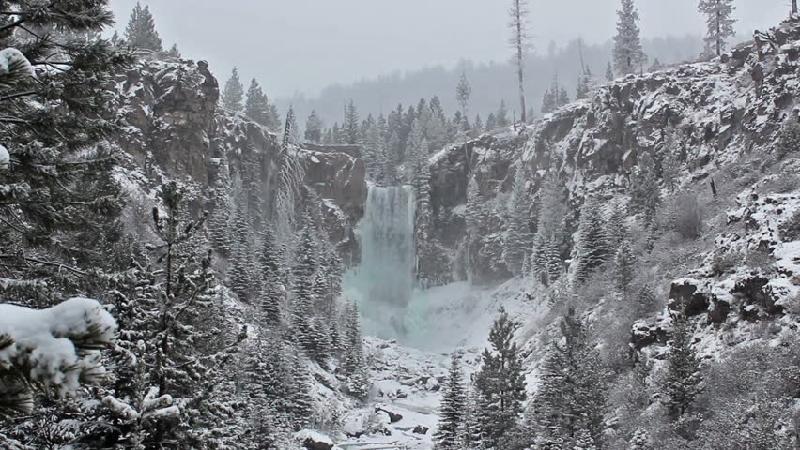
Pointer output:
x,y
609,72
303,273
463,94
141,30
502,115
592,249
640,440
354,365
242,274
500,382
546,258
624,267
257,107
233,93
350,127
174,52
719,24
452,409
628,54
471,430
644,187
569,405
491,122
518,239
272,290
291,130
548,102
313,131
683,381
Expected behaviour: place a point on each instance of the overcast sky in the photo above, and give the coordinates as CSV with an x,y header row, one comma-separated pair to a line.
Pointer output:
x,y
304,45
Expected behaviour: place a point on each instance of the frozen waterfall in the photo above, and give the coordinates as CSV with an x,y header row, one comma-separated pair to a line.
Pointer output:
x,y
383,283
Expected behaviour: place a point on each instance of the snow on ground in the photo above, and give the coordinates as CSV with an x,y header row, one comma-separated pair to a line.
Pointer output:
x,y
407,372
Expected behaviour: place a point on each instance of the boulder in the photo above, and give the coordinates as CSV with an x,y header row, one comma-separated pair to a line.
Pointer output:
x,y
645,333
719,311
419,429
312,440
755,298
684,297
393,417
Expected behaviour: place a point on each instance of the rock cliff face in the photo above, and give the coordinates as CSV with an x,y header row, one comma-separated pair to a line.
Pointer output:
x,y
172,122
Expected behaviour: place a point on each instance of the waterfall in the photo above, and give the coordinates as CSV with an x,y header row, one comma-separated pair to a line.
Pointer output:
x,y
383,283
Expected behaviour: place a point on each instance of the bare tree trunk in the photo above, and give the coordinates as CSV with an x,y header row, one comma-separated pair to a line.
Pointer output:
x,y
517,13
794,6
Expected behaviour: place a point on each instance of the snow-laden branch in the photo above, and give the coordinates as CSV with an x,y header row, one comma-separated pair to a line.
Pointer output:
x,y
57,348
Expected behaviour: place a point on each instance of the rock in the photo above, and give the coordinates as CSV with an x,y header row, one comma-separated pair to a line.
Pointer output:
x,y
685,298
313,440
719,311
419,429
755,298
644,334
393,417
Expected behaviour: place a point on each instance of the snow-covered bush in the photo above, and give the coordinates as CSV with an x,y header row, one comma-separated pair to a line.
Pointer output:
x,y
55,348
790,230
685,216
788,139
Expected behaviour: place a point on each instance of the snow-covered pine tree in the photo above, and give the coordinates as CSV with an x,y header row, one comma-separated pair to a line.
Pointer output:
x,y
683,381
644,188
572,393
243,271
471,429
628,53
233,93
546,259
272,295
452,409
719,24
463,94
548,102
141,30
500,382
624,268
640,440
354,365
257,107
491,122
313,131
291,130
502,115
518,238
350,126
301,403
592,247
303,273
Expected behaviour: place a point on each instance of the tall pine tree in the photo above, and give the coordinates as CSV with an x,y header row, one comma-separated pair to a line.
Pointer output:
x,y
719,24
628,53
500,382
452,409
141,30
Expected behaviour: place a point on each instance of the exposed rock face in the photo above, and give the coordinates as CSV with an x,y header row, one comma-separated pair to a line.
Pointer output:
x,y
685,298
488,160
172,121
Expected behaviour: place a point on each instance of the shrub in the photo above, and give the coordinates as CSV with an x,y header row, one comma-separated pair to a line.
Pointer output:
x,y
788,139
723,262
790,230
686,217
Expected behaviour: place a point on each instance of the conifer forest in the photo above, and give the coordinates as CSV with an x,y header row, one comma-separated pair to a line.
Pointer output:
x,y
556,226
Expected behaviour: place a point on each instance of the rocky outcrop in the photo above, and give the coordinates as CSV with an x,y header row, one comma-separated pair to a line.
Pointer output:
x,y
172,125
